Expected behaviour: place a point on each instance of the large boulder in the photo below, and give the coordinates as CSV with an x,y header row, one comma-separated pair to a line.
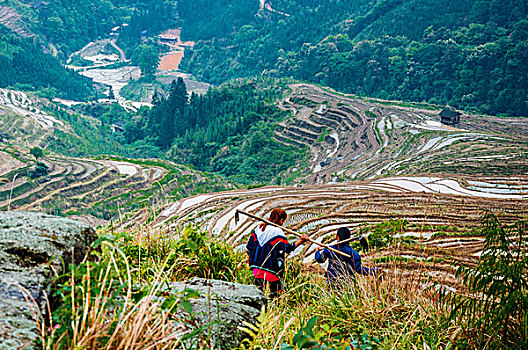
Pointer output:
x,y
222,307
32,245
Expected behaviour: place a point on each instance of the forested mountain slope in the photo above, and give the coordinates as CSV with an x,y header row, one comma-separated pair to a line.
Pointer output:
x,y
57,28
470,54
229,130
25,65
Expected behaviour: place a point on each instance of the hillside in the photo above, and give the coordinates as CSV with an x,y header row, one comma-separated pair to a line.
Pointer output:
x,y
79,181
435,217
353,138
469,54
37,38
157,121
97,189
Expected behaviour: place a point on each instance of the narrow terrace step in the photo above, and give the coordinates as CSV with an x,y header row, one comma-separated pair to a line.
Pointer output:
x,y
287,141
309,125
342,119
292,134
351,112
304,132
325,121
303,101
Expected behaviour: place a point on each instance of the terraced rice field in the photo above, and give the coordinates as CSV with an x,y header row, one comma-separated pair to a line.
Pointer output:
x,y
351,138
19,102
97,190
436,218
378,166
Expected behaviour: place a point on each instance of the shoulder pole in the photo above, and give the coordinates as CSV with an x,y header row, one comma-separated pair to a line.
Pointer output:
x,y
238,211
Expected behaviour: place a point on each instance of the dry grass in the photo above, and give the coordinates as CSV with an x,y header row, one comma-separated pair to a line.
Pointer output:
x,y
100,309
104,314
394,310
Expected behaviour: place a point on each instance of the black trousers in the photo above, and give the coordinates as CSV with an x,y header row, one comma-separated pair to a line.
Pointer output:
x,y
274,288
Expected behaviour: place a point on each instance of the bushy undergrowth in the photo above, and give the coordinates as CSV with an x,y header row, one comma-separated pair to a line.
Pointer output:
x,y
190,253
365,313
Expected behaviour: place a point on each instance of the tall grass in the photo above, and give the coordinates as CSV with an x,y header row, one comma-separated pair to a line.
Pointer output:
x,y
98,309
115,298
186,253
389,312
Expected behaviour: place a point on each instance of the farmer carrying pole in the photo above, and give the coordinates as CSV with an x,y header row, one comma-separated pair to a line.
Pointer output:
x,y
341,269
266,248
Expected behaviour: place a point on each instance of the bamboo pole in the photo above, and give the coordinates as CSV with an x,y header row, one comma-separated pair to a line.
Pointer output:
x,y
290,231
355,238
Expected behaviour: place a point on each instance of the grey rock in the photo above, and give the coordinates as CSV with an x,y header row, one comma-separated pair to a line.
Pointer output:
x,y
33,247
222,307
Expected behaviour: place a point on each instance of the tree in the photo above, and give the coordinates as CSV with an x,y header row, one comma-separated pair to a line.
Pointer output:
x,y
146,56
40,170
37,152
178,95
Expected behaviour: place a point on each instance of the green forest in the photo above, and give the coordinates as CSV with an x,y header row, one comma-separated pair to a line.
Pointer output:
x,y
27,63
228,130
23,65
470,54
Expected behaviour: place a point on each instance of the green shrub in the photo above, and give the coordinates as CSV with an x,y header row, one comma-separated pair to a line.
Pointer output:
x,y
307,338
40,170
495,311
190,253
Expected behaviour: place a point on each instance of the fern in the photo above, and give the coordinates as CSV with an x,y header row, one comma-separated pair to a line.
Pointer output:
x,y
495,311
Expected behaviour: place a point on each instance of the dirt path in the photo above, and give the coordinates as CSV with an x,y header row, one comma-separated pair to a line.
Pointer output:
x,y
121,52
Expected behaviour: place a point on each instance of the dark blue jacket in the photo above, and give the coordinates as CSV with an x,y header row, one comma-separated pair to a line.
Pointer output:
x,y
339,265
266,249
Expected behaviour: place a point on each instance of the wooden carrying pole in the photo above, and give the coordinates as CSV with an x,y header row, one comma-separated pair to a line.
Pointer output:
x,y
290,231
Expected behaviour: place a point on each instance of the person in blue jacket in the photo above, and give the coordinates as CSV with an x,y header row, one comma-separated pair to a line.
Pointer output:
x,y
339,266
266,248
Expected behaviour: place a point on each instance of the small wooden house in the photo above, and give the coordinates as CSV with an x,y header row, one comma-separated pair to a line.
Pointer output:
x,y
450,117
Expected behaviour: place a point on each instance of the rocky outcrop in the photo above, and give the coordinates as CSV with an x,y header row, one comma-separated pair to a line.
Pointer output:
x,y
33,246
222,308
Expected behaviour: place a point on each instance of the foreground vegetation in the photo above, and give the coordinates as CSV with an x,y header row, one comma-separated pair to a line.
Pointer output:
x,y
113,299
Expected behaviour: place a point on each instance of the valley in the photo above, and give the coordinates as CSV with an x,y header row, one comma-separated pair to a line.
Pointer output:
x,y
379,145
155,122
